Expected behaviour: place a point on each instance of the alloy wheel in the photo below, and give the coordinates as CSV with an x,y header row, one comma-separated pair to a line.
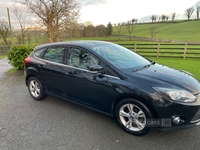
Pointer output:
x,y
132,117
34,88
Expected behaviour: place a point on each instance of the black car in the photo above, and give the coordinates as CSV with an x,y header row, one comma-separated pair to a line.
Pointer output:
x,y
139,93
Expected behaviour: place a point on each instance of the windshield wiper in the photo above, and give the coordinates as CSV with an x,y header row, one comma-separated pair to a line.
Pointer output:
x,y
146,66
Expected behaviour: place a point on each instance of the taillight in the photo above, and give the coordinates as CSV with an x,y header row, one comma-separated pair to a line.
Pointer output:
x,y
27,60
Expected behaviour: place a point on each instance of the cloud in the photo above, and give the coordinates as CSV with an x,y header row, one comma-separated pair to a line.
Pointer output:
x,y
93,2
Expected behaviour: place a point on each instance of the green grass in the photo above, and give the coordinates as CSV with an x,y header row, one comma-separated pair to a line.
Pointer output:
x,y
189,65
3,56
185,31
97,38
12,70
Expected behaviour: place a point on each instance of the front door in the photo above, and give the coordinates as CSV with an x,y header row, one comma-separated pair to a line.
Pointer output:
x,y
81,85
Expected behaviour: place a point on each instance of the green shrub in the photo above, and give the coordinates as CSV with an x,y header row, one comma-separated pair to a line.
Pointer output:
x,y
17,54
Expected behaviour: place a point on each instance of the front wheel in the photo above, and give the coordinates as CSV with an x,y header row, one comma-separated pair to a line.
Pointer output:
x,y
132,116
35,89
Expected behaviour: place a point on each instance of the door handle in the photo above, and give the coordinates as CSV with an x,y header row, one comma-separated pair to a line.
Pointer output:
x,y
69,73
40,65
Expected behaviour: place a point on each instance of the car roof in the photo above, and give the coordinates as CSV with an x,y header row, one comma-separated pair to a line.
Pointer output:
x,y
83,43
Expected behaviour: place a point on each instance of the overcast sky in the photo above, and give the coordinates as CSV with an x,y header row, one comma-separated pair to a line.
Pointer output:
x,y
104,11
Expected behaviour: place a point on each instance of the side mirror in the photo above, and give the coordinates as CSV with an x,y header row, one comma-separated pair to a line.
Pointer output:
x,y
95,69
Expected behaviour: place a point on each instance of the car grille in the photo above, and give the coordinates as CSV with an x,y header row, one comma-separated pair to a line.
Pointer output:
x,y
196,117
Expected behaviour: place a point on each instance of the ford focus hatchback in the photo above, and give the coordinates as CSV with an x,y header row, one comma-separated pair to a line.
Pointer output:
x,y
139,93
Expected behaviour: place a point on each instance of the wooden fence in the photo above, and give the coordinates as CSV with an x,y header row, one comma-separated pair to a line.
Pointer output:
x,y
166,50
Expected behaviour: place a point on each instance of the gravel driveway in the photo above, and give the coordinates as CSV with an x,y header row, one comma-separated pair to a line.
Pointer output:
x,y
53,124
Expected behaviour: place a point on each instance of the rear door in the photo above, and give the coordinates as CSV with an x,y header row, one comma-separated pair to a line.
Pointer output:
x,y
51,71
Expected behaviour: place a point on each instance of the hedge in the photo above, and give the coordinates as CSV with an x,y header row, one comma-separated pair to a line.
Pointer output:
x,y
17,54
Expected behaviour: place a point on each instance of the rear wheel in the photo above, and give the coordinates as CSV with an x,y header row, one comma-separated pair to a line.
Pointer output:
x,y
35,88
132,116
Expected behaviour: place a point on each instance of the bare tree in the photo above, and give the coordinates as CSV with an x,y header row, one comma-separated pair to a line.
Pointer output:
x,y
197,8
24,21
100,30
53,13
136,21
119,27
4,30
129,28
90,30
153,30
189,12
173,16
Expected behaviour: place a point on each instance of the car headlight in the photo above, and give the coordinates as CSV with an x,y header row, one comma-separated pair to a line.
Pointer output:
x,y
176,95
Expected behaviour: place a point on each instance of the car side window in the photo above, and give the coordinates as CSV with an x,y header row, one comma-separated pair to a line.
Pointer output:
x,y
54,54
39,52
81,59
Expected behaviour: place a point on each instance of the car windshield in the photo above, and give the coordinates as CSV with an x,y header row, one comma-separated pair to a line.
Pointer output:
x,y
121,57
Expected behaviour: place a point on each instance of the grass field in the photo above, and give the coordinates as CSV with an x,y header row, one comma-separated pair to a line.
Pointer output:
x,y
185,31
98,38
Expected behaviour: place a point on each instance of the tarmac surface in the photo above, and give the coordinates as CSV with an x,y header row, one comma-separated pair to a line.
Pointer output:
x,y
4,67
53,124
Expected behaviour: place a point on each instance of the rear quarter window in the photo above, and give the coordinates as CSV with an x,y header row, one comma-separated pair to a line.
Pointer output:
x,y
39,52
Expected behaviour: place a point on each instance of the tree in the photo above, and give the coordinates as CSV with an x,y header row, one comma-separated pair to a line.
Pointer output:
x,y
189,12
119,27
100,31
197,8
153,18
24,22
153,30
173,16
90,30
109,29
136,21
163,17
53,13
75,29
133,21
4,30
129,28
167,18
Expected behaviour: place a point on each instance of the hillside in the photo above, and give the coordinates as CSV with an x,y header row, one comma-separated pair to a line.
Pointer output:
x,y
184,31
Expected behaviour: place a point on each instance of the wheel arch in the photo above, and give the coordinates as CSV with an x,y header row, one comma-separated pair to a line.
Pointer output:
x,y
28,77
133,97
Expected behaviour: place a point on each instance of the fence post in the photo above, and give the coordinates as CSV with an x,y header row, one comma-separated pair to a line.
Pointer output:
x,y
135,47
158,50
185,51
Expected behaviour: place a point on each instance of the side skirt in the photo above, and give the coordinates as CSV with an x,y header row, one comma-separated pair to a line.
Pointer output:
x,y
82,105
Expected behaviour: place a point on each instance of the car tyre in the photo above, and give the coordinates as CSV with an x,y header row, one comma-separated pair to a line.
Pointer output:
x,y
36,89
132,116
